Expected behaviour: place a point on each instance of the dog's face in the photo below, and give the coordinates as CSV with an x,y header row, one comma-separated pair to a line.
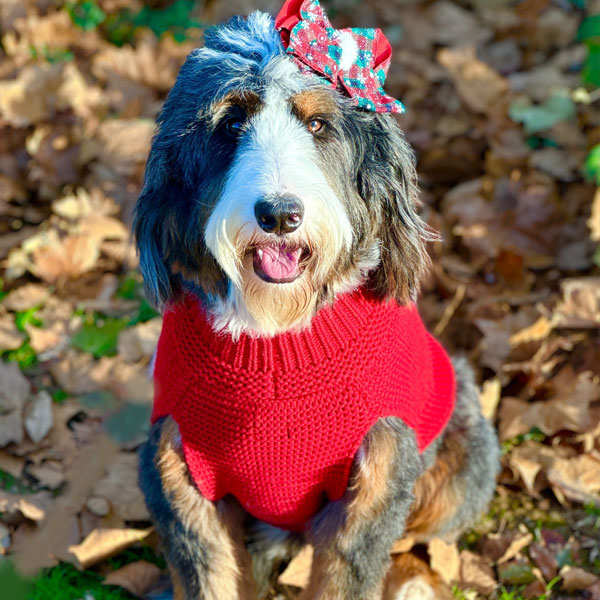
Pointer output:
x,y
268,192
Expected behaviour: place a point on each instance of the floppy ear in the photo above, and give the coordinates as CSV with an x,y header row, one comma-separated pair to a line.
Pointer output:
x,y
387,181
152,233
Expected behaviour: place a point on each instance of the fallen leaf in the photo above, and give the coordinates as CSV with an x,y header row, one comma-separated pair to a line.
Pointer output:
x,y
120,488
568,411
545,560
66,258
480,87
580,306
139,342
136,577
578,478
540,330
32,96
517,544
103,543
14,390
38,416
445,559
31,506
575,578
489,397
297,572
25,297
594,221
476,574
10,337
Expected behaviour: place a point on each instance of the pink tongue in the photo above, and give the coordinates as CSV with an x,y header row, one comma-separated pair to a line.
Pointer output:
x,y
278,263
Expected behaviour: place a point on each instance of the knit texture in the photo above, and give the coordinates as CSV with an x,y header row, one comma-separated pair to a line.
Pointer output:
x,y
277,421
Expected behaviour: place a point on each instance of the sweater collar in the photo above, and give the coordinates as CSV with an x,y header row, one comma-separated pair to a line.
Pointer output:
x,y
331,332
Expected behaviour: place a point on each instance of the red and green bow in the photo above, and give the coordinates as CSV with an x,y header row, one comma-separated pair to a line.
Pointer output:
x,y
356,58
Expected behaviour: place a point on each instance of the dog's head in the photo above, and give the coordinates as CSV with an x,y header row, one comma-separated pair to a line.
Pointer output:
x,y
268,192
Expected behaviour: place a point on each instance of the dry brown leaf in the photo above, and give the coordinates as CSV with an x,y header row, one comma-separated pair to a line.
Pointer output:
x,y
44,340
120,488
594,221
147,64
32,97
578,478
569,411
580,306
50,474
136,577
14,390
11,464
139,342
38,416
102,543
476,574
31,506
25,297
445,559
489,397
10,337
297,572
65,259
574,578
102,227
79,373
123,144
480,87
540,330
517,544
82,203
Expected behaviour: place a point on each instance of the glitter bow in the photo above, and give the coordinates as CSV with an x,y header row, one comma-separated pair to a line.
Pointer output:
x,y
356,58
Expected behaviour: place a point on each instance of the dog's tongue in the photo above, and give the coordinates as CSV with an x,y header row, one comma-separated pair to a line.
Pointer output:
x,y
278,263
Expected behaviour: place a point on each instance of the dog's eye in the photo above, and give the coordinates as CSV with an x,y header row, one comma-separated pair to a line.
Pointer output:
x,y
316,126
234,126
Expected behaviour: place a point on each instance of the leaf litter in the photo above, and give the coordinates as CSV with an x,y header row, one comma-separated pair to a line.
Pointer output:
x,y
502,113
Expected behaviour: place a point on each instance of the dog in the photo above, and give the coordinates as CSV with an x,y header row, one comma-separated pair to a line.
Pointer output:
x,y
278,231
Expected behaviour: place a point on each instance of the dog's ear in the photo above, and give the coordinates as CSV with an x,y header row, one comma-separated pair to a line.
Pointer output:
x,y
387,181
151,234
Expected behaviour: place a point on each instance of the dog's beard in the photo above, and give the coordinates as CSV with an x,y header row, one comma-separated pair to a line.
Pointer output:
x,y
277,306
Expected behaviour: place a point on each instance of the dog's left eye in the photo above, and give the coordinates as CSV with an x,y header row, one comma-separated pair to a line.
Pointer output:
x,y
316,126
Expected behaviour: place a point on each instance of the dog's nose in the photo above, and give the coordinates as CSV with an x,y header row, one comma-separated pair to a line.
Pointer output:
x,y
281,214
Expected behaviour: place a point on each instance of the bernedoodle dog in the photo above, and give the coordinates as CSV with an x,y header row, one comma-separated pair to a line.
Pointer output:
x,y
299,398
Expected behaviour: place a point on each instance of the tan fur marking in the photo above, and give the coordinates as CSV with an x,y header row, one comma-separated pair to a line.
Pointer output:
x,y
408,566
229,560
250,102
370,482
368,491
313,103
436,498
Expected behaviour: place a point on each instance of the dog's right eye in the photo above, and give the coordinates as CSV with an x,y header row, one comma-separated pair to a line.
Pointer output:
x,y
234,127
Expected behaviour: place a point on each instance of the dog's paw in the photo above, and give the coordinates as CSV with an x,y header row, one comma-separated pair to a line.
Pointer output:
x,y
417,588
411,578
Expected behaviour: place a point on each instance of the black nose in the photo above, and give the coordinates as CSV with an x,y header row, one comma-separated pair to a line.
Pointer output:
x,y
281,214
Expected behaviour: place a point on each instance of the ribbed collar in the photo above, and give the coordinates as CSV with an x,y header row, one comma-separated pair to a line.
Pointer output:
x,y
332,331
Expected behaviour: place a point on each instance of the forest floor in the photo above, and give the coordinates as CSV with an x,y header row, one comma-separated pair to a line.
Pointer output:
x,y
502,103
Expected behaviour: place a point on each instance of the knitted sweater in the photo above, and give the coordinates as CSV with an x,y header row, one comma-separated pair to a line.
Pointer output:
x,y
277,421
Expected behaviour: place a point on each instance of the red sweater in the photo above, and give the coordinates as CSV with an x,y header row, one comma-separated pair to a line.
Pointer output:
x,y
277,421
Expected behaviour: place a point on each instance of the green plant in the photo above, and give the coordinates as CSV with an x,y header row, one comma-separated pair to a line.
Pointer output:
x,y
589,34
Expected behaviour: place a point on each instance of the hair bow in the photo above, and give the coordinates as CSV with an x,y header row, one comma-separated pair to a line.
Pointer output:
x,y
356,58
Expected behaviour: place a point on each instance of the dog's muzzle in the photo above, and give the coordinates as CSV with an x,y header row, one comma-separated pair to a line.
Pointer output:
x,y
278,262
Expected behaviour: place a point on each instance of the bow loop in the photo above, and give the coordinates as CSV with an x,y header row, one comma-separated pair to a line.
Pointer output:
x,y
357,59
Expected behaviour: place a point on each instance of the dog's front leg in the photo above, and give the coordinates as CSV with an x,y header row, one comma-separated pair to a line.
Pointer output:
x,y
352,537
203,541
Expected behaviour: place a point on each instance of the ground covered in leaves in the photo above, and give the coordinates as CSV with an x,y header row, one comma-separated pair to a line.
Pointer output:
x,y
502,108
